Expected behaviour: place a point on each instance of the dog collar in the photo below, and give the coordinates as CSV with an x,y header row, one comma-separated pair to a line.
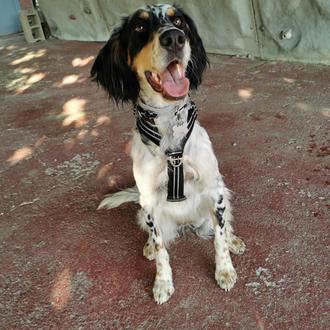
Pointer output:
x,y
145,123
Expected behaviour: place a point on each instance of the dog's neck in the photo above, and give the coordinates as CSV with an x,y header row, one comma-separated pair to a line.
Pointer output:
x,y
170,122
165,117
165,110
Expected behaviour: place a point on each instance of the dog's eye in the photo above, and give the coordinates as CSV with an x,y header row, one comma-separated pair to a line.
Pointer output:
x,y
139,28
177,21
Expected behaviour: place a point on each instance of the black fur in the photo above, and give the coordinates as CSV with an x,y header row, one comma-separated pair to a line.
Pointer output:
x,y
112,72
199,60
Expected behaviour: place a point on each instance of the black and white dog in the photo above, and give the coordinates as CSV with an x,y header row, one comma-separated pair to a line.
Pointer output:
x,y
152,60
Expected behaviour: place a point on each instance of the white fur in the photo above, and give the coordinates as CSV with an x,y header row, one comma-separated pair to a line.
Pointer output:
x,y
112,201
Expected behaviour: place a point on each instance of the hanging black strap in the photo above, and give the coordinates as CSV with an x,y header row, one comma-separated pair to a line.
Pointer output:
x,y
175,185
145,123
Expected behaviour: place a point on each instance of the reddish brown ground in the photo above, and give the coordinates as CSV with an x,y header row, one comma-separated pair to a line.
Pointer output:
x,y
64,265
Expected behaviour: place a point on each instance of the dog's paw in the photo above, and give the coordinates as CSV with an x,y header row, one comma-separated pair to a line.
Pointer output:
x,y
149,251
236,245
226,278
163,290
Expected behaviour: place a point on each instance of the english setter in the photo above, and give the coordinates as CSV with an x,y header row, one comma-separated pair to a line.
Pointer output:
x,y
152,60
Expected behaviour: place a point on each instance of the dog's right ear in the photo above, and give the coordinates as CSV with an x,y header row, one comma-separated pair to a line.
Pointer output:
x,y
112,72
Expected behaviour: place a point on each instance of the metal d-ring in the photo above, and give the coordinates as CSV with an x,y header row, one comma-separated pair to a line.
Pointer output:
x,y
174,160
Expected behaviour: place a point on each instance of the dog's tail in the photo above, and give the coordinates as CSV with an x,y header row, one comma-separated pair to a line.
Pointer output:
x,y
124,196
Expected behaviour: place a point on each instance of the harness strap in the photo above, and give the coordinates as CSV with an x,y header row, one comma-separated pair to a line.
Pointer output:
x,y
175,185
145,123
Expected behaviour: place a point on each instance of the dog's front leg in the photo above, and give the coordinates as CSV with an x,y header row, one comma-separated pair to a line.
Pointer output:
x,y
163,286
225,273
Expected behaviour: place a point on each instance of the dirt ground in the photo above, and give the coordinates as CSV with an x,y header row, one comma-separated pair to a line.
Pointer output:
x,y
64,265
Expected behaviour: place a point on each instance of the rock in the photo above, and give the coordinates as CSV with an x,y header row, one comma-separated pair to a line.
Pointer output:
x,y
261,270
254,285
271,285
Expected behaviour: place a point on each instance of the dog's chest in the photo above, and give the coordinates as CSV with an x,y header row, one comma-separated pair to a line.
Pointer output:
x,y
172,153
199,165
173,130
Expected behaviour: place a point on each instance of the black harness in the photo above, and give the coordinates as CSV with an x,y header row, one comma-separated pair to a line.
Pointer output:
x,y
145,123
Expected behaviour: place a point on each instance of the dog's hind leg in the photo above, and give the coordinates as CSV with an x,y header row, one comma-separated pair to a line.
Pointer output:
x,y
225,273
155,249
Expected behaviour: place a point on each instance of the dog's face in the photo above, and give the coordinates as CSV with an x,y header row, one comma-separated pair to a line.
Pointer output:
x,y
156,54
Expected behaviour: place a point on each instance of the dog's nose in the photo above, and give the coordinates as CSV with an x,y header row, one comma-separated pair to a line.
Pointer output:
x,y
172,40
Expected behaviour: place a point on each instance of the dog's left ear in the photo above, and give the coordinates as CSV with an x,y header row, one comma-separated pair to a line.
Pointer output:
x,y
199,60
111,70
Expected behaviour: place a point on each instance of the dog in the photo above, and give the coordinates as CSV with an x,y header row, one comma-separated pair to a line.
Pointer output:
x,y
153,60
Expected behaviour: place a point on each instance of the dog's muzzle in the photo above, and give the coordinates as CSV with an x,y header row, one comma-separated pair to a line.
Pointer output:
x,y
171,81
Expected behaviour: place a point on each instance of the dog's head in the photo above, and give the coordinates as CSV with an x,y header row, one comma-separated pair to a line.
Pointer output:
x,y
156,54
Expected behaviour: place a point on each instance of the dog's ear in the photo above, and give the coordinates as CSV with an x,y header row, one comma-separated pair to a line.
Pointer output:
x,y
199,60
112,72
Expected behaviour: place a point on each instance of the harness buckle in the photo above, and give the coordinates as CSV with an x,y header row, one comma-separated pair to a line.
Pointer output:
x,y
176,162
175,158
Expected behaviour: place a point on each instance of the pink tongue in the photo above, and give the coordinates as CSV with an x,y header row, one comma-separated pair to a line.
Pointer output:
x,y
174,81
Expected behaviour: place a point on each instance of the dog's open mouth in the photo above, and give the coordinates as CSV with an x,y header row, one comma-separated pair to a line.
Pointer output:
x,y
172,83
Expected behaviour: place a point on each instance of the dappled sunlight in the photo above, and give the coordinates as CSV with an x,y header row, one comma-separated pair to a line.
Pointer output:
x,y
74,112
312,108
71,79
69,143
82,134
35,78
245,93
128,147
80,62
72,115
113,180
20,154
289,80
103,171
95,133
29,56
11,47
15,84
303,106
61,290
40,141
326,112
24,82
103,120
25,152
24,70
